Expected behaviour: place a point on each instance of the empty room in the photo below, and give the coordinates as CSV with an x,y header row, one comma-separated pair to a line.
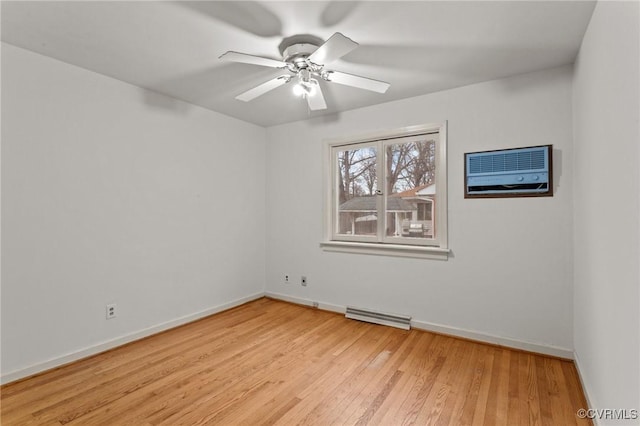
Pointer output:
x,y
320,213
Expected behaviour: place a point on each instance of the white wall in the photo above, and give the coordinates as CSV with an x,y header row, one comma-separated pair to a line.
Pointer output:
x,y
114,194
510,273
606,207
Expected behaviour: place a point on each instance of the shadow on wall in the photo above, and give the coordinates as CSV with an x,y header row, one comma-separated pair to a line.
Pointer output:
x,y
557,169
163,102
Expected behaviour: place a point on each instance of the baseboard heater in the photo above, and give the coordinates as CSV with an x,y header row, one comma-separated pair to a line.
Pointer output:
x,y
392,320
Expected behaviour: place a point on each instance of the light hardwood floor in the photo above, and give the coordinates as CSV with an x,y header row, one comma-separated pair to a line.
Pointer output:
x,y
270,362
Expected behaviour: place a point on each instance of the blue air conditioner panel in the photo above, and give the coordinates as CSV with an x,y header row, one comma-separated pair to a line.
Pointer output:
x,y
513,171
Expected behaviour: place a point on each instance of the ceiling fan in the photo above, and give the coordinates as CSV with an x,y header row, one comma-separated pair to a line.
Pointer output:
x,y
304,56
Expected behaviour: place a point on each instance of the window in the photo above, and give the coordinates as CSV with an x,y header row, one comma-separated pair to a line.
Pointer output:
x,y
387,194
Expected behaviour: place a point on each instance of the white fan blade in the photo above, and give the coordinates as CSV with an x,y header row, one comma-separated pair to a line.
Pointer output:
x,y
357,81
251,59
336,47
263,88
316,100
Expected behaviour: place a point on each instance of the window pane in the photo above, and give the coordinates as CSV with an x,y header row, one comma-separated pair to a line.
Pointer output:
x,y
410,188
356,188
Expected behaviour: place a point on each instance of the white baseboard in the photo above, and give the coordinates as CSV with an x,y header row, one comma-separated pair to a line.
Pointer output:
x,y
300,301
495,340
585,389
448,330
110,344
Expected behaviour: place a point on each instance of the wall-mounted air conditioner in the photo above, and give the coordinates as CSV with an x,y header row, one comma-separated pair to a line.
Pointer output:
x,y
519,172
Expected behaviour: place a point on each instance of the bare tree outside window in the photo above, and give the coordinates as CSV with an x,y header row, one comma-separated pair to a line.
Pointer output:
x,y
356,175
410,165
357,185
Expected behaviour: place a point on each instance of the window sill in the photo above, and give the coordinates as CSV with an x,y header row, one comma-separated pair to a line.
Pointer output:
x,y
419,252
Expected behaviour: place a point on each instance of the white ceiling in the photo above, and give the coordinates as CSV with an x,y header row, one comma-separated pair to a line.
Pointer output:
x,y
417,46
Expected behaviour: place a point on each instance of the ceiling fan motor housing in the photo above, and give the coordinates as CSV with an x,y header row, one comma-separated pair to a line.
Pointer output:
x,y
297,54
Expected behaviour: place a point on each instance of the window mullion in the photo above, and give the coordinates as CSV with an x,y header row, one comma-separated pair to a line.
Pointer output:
x,y
334,190
381,159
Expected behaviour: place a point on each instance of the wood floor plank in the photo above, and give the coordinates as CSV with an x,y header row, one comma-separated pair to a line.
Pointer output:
x,y
332,407
345,369
459,380
275,363
465,407
372,396
514,414
450,349
497,406
485,372
404,404
529,390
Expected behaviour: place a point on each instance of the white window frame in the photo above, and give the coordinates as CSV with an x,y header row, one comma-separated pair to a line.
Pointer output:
x,y
436,248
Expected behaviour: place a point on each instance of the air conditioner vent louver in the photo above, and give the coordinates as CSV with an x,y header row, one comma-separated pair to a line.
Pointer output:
x,y
513,171
393,320
506,162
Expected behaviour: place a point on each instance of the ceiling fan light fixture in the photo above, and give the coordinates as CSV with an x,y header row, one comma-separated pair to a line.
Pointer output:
x,y
306,85
298,89
312,86
309,90
305,88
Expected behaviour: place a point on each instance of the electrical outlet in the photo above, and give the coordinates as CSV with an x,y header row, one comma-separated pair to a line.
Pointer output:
x,y
303,281
111,311
286,279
